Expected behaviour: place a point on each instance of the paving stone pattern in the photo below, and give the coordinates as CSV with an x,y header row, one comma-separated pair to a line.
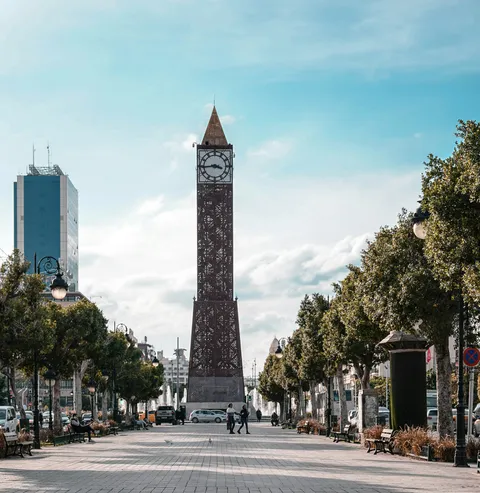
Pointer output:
x,y
270,460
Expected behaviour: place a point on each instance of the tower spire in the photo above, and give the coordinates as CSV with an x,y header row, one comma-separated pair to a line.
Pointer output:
x,y
214,134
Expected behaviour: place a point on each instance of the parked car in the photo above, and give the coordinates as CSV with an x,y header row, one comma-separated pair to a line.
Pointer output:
x,y
86,418
432,418
29,416
8,419
165,414
206,416
454,412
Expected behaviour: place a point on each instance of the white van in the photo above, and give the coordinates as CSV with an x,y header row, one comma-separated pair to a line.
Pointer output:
x,y
8,419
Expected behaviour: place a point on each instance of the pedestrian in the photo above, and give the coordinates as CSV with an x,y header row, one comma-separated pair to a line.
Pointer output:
x,y
244,419
40,419
274,419
230,418
259,415
78,428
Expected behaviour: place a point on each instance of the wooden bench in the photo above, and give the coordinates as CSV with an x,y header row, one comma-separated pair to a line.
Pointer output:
x,y
68,437
17,448
343,435
382,444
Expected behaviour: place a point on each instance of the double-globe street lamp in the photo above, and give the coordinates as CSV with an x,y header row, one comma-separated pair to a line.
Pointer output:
x,y
121,327
59,287
50,375
460,460
282,342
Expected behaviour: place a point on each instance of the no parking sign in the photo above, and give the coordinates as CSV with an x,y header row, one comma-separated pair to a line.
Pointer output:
x,y
471,356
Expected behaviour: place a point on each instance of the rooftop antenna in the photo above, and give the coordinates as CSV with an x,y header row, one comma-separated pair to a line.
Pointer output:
x,y
33,154
48,155
214,100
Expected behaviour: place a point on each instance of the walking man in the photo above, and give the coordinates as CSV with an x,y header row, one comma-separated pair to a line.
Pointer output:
x,y
230,418
244,419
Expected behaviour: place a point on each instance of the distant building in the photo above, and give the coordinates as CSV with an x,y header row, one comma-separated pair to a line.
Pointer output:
x,y
148,351
170,368
46,219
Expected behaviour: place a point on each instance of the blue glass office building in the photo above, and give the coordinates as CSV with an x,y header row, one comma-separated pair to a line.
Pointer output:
x,y
46,218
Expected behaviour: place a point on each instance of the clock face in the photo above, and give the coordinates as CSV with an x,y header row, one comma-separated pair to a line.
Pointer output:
x,y
215,166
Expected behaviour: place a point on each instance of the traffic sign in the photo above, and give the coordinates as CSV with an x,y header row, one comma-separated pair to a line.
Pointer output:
x,y
471,356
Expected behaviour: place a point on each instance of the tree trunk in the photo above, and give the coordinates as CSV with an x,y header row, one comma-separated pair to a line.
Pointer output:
x,y
11,376
363,372
301,401
94,410
444,386
342,398
56,410
313,399
105,405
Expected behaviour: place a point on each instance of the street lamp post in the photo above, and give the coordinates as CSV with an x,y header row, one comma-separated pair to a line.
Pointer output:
x,y
279,354
50,376
117,328
460,460
92,386
47,265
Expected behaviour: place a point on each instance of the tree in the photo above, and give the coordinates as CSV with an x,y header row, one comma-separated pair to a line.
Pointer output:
x,y
80,332
312,361
270,381
24,325
400,292
362,333
3,390
451,194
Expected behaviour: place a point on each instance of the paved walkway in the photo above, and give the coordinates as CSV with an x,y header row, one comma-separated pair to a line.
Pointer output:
x,y
270,460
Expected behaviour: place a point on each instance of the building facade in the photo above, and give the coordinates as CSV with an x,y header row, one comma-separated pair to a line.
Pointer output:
x,y
170,368
46,219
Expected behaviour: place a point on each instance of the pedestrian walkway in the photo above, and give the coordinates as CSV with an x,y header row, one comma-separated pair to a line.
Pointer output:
x,y
173,459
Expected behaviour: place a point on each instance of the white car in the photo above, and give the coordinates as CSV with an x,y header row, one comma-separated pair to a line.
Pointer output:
x,y
8,419
432,418
205,416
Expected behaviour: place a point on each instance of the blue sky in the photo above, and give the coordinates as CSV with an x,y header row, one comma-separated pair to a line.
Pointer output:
x,y
332,107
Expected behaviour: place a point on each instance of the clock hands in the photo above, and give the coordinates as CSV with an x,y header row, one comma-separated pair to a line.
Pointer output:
x,y
214,166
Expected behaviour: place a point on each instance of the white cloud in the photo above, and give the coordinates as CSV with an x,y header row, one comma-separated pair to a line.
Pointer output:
x,y
271,149
144,265
227,119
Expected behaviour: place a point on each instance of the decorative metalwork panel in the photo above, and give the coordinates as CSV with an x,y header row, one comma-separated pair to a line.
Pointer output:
x,y
215,242
216,355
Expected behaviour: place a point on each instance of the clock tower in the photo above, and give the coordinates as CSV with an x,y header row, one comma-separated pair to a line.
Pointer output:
x,y
215,376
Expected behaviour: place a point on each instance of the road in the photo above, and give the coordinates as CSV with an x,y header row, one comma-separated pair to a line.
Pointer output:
x,y
270,460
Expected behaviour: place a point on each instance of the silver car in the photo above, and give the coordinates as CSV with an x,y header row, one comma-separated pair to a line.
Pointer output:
x,y
204,416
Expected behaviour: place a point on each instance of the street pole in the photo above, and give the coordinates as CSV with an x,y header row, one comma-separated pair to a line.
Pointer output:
x,y
471,383
50,422
178,374
460,459
36,428
329,408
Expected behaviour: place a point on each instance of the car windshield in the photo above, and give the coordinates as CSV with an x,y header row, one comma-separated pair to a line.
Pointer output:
x,y
3,414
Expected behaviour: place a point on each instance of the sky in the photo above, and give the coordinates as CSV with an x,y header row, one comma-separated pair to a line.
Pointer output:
x,y
332,108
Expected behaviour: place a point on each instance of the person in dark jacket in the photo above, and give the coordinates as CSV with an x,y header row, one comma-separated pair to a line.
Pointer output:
x,y
259,415
244,419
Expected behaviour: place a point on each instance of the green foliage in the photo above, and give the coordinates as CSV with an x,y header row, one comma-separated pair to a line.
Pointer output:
x,y
451,193
24,325
379,384
3,390
431,380
80,332
312,358
398,285
271,378
351,336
